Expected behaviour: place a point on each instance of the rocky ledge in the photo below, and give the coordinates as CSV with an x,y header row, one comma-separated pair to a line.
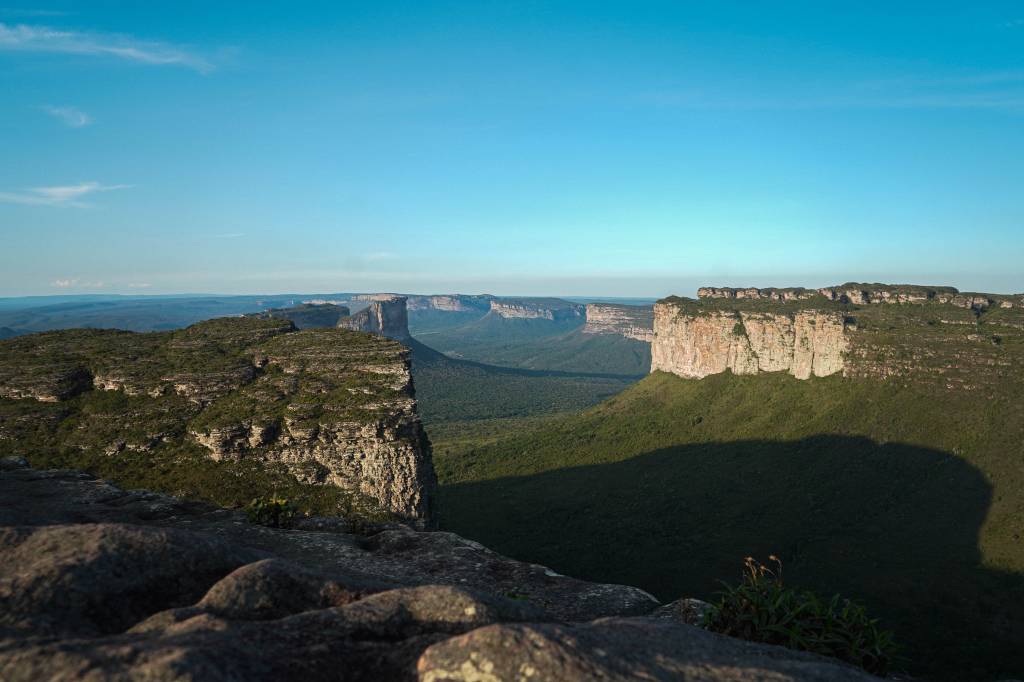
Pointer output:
x,y
332,407
106,584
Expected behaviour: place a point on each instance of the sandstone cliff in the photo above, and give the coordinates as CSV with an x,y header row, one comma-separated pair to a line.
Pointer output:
x,y
536,308
102,583
694,344
451,303
386,315
633,322
905,333
331,406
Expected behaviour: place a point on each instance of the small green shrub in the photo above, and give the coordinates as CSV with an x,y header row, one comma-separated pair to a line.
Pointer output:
x,y
762,609
273,511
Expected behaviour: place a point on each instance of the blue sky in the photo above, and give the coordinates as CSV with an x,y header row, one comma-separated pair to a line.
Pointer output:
x,y
563,148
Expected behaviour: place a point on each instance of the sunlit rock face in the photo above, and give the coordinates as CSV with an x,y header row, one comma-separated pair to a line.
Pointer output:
x,y
537,309
386,315
633,322
804,344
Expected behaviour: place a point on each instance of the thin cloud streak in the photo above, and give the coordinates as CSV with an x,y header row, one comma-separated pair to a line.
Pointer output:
x,y
44,39
70,116
61,195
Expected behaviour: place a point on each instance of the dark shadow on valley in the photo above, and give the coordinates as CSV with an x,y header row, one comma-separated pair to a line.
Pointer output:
x,y
893,525
425,356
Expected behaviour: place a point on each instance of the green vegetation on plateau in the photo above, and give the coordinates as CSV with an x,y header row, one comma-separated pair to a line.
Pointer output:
x,y
908,497
124,405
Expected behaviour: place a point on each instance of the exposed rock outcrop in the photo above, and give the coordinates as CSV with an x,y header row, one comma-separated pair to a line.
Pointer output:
x,y
633,322
770,294
101,584
905,333
331,406
696,344
451,303
386,315
537,308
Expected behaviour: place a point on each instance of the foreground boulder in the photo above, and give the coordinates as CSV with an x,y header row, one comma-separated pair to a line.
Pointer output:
x,y
105,584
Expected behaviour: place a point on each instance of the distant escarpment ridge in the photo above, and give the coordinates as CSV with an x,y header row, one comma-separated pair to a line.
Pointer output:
x,y
332,407
631,321
913,333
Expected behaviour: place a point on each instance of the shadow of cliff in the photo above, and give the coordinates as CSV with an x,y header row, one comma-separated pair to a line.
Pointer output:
x,y
425,356
891,524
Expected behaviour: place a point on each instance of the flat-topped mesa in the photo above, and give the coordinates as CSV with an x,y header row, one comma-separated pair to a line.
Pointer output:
x,y
536,309
631,321
330,406
451,303
694,343
770,293
386,316
918,335
867,294
307,315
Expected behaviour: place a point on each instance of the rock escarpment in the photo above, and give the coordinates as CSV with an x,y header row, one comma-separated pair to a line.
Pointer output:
x,y
537,308
696,344
907,333
330,406
101,583
386,315
451,303
770,294
633,322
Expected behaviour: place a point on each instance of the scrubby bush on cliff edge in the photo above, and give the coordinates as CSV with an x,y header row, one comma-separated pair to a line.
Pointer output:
x,y
761,609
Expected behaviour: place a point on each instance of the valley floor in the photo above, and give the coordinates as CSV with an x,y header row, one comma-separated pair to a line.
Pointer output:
x,y
908,499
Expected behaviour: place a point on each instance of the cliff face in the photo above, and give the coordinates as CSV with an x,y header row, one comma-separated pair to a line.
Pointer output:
x,y
633,322
386,315
771,294
450,303
905,333
537,309
330,406
696,345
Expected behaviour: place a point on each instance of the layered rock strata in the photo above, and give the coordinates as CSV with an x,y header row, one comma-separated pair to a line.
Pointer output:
x,y
695,345
102,583
633,322
910,334
331,406
537,308
386,315
450,303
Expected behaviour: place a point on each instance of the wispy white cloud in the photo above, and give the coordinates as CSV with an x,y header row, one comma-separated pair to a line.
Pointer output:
x,y
139,285
72,117
61,195
75,283
19,12
379,255
229,235
35,38
1014,23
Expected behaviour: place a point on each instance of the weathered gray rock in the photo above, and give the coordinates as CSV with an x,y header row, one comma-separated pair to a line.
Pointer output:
x,y
91,579
626,649
105,584
631,321
386,315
